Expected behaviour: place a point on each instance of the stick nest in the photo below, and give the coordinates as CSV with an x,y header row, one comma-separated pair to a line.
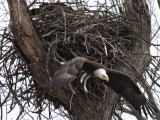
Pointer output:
x,y
99,35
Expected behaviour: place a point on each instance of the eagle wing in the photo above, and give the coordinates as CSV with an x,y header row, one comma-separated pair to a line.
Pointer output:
x,y
123,85
67,72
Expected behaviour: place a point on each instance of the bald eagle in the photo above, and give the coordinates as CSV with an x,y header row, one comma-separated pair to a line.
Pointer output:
x,y
119,82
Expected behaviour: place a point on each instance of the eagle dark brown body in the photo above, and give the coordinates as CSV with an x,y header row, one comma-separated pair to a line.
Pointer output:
x,y
119,82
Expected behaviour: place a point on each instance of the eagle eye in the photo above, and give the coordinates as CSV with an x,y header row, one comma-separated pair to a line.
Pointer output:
x,y
104,76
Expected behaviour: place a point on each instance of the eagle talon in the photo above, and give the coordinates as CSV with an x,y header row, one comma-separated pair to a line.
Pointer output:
x,y
118,81
82,77
86,90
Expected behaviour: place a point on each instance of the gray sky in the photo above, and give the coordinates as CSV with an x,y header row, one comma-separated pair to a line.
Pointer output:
x,y
4,22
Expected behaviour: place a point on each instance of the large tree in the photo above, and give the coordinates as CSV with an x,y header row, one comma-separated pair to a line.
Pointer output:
x,y
44,37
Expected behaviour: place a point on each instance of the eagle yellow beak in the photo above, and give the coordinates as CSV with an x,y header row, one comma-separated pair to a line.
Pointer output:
x,y
107,78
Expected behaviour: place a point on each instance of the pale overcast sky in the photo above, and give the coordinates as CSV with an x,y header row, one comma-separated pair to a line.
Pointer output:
x,y
4,22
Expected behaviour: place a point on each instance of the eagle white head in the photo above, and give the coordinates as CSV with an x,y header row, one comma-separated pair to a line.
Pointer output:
x,y
101,73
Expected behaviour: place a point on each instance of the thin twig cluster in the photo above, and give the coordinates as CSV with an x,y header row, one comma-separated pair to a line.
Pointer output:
x,y
99,35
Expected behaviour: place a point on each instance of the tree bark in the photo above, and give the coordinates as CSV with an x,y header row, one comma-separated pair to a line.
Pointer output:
x,y
81,105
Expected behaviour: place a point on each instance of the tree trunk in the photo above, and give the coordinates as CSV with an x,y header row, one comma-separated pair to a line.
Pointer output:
x,y
80,105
